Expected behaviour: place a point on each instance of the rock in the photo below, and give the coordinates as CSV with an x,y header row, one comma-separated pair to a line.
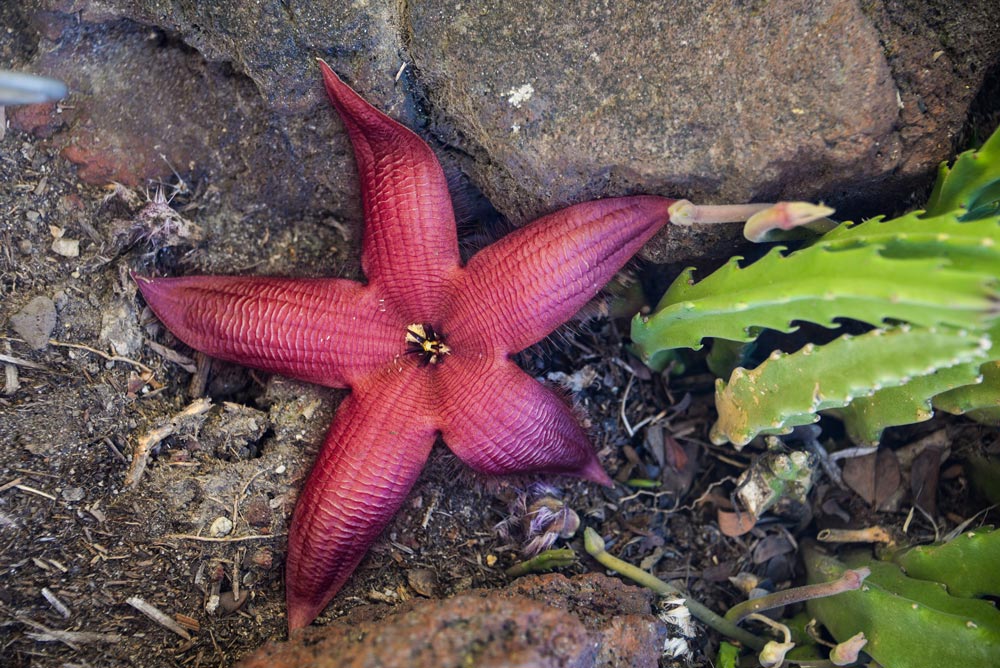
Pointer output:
x,y
724,102
221,526
541,621
682,99
66,247
853,103
247,108
73,494
120,327
34,323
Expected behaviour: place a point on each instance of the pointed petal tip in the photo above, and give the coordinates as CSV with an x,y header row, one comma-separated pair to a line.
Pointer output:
x,y
594,472
302,611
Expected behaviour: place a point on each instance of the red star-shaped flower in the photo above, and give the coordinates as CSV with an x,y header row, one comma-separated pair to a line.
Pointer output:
x,y
424,346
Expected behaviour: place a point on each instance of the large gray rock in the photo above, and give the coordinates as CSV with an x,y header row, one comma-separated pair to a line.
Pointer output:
x,y
716,102
853,103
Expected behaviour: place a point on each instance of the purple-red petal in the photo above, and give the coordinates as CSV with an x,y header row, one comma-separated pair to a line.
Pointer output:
x,y
499,420
519,289
372,455
325,331
410,246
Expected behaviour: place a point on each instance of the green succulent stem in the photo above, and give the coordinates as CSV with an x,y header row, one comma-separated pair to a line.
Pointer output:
x,y
851,579
542,563
594,545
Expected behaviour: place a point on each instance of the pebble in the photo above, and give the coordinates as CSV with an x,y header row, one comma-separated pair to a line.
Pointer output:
x,y
34,323
66,247
73,493
220,527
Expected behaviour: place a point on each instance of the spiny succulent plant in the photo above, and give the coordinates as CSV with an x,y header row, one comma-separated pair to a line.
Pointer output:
x,y
919,610
927,283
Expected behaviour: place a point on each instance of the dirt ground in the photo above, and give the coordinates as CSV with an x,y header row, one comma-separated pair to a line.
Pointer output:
x,y
77,543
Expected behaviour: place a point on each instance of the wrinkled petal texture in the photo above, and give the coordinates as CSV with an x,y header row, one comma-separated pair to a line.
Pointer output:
x,y
325,331
373,453
410,245
499,420
518,290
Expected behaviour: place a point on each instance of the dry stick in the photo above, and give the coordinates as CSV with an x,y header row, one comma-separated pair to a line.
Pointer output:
x,y
850,580
101,353
875,534
17,361
56,603
158,616
68,638
594,545
231,539
149,440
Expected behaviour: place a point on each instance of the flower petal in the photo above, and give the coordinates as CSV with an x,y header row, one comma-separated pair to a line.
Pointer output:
x,y
498,420
303,328
410,246
519,289
372,455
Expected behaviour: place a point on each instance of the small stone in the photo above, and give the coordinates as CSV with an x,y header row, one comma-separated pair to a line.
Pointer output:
x,y
422,580
120,329
73,494
33,216
66,247
222,526
25,246
34,323
263,558
228,603
257,513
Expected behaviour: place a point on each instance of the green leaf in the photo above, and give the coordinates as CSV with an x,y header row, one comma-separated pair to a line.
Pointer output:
x,y
907,622
815,285
788,390
909,403
969,246
969,398
967,564
972,184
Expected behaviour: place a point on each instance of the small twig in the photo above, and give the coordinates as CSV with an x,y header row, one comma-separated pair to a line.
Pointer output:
x,y
850,580
148,441
101,353
32,490
594,545
68,638
229,539
158,616
624,401
849,453
8,485
56,603
7,359
874,534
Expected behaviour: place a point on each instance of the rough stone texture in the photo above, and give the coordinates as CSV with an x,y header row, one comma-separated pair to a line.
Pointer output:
x,y
717,102
34,323
728,101
243,109
540,621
